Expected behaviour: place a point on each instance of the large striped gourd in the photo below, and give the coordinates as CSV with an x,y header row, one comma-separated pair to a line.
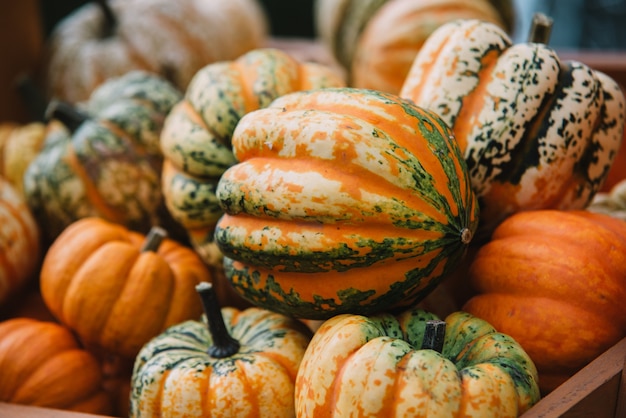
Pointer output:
x,y
537,132
197,133
344,200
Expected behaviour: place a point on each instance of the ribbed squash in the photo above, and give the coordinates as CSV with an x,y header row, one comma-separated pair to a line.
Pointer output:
x,y
537,132
117,288
43,364
242,364
197,133
344,200
556,282
386,366
108,163
108,38
20,248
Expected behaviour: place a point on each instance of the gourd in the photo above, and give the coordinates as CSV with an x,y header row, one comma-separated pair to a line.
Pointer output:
x,y
106,161
376,40
117,288
44,365
536,132
20,247
107,39
556,282
343,201
414,364
243,364
611,202
197,133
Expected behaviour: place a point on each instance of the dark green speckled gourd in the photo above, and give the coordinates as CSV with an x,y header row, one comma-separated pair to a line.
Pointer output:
x,y
343,201
107,161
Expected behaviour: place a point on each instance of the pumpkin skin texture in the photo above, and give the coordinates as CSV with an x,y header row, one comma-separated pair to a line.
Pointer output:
x,y
174,375
44,365
360,366
344,200
96,280
20,248
110,165
172,39
537,132
197,133
554,281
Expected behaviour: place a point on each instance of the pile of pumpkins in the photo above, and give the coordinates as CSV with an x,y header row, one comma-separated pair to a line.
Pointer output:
x,y
250,234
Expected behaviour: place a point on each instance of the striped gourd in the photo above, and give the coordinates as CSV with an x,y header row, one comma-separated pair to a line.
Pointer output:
x,y
385,366
536,132
107,163
344,200
197,133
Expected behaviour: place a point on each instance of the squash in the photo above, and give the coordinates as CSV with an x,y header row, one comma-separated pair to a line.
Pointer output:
x,y
343,201
107,39
197,132
612,202
20,249
243,364
537,132
414,365
556,282
44,365
106,160
117,288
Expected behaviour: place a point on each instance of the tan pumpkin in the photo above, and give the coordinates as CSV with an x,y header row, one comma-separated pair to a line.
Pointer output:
x,y
104,39
44,365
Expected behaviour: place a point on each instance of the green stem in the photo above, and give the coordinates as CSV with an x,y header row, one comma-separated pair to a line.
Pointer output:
x,y
434,335
540,29
155,237
224,345
110,20
65,113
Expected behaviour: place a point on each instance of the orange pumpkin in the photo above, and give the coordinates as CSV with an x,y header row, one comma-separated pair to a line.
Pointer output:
x,y
44,365
101,280
555,281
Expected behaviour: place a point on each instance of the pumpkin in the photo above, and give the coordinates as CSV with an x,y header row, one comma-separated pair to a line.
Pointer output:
x,y
106,39
376,40
197,132
414,365
44,365
20,249
556,282
117,288
106,160
343,201
537,132
243,364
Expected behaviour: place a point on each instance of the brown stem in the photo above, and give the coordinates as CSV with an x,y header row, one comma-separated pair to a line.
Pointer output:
x,y
110,20
540,28
224,345
65,113
434,335
155,237
32,97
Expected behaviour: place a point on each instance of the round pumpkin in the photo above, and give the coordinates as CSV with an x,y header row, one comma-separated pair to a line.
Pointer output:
x,y
107,39
20,246
106,160
243,364
117,288
556,282
343,201
44,365
196,138
537,132
386,366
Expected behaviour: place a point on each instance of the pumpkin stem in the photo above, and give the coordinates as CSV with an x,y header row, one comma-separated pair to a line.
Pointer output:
x,y
224,345
32,97
434,335
466,236
110,20
155,237
540,29
65,113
